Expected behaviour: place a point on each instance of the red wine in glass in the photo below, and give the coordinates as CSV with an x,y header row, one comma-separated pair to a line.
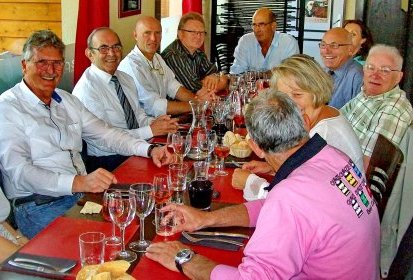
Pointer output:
x,y
239,120
105,211
170,149
163,196
221,151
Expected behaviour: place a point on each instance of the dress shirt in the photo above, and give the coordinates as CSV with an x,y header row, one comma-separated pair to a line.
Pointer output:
x,y
348,80
98,94
248,55
40,145
189,69
309,228
388,114
153,79
337,132
4,207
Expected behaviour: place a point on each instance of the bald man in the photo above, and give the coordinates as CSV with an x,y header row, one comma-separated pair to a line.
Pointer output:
x,y
153,78
337,51
265,47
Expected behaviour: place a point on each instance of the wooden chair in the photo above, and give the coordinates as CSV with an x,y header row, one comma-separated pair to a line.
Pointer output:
x,y
382,172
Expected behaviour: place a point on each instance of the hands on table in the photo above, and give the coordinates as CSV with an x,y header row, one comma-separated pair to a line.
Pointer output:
x,y
163,125
240,176
160,156
95,182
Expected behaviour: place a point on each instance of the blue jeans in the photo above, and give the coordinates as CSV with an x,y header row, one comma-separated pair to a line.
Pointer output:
x,y
32,218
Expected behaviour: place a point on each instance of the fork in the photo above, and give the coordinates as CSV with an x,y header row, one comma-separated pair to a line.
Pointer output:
x,y
195,240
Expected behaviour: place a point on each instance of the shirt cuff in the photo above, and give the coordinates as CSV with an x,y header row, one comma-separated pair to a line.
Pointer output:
x,y
142,132
160,106
254,188
65,184
142,149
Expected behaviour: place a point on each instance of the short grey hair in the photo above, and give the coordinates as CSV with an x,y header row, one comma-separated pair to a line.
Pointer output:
x,y
42,39
96,30
274,122
393,51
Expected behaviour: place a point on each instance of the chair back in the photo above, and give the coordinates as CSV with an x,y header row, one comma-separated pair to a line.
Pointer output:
x,y
382,172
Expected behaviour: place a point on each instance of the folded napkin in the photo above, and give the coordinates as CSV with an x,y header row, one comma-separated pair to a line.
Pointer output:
x,y
214,244
91,208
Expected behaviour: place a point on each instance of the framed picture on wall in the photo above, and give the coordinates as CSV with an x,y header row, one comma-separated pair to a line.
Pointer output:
x,y
129,8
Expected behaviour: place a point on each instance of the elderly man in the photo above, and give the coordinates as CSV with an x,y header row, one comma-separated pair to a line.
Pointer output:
x,y
336,50
314,224
112,96
154,80
381,107
189,63
265,47
41,140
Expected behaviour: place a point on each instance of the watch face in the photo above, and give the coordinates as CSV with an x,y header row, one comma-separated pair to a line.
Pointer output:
x,y
183,254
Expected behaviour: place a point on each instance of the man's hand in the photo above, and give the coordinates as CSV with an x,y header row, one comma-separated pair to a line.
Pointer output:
x,y
239,178
186,218
205,94
164,253
161,156
95,182
211,82
163,125
258,167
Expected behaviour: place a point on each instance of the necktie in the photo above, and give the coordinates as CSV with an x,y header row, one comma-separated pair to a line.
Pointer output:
x,y
331,72
127,109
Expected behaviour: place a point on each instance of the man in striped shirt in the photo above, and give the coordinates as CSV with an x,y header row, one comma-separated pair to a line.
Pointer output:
x,y
381,107
190,64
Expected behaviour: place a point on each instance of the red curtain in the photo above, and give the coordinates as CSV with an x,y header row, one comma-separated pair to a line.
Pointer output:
x,y
191,6
92,14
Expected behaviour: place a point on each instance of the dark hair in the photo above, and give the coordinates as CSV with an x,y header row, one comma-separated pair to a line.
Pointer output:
x,y
365,34
42,39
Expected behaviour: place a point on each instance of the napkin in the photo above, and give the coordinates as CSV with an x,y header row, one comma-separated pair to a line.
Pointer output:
x,y
91,208
214,244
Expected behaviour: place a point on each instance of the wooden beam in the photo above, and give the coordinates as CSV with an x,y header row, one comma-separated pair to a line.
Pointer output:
x,y
30,11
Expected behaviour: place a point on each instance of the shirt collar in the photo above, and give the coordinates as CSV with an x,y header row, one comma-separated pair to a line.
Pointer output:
x,y
31,98
312,147
101,74
343,68
182,48
395,91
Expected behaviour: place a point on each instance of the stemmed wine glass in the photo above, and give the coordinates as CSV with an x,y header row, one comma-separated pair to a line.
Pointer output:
x,y
202,141
182,144
144,194
222,152
111,240
122,207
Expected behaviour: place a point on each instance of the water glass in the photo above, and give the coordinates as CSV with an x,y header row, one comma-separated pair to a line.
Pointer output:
x,y
200,170
162,198
92,248
177,181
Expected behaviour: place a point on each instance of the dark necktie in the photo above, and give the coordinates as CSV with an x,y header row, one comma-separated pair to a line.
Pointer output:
x,y
331,72
127,109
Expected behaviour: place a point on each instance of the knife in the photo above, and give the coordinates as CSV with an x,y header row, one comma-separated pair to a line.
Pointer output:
x,y
42,263
37,268
216,233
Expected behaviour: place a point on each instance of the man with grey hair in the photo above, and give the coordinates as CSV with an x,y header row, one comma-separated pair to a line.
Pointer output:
x,y
315,222
41,140
381,107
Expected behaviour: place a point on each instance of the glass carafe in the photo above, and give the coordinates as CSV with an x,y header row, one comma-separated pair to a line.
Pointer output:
x,y
198,123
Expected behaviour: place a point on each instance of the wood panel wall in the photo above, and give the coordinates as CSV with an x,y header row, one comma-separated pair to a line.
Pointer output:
x,y
20,18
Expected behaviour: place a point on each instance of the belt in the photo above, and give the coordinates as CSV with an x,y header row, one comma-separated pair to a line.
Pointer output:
x,y
36,198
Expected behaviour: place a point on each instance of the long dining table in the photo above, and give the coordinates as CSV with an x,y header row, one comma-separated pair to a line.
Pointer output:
x,y
60,238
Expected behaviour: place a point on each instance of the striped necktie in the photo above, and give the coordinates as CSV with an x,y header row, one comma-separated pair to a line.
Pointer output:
x,y
127,109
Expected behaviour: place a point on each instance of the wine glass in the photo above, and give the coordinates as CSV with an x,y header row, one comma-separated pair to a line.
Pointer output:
x,y
169,145
144,194
177,177
222,152
220,112
122,207
163,196
182,144
212,141
111,241
202,141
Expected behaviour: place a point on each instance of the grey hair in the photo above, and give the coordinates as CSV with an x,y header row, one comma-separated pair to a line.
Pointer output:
x,y
274,122
393,51
96,30
42,39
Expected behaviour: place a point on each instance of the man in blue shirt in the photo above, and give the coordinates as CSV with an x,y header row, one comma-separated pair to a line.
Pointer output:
x,y
264,48
336,51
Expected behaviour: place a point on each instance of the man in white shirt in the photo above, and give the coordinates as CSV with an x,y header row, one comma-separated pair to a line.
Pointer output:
x,y
153,78
42,129
97,90
265,47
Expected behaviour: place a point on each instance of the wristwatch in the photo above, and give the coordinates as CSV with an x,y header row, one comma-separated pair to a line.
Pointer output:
x,y
183,256
150,148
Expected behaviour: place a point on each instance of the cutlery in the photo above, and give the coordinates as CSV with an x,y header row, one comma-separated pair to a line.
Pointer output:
x,y
195,240
45,264
216,233
37,268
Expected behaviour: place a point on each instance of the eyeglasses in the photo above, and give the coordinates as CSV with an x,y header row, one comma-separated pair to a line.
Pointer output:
x,y
153,67
384,70
323,45
202,33
105,49
260,25
44,64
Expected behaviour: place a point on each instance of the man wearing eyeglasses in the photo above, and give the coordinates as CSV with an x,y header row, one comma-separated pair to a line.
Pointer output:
x,y
265,47
153,78
337,51
189,63
41,139
111,95
381,107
